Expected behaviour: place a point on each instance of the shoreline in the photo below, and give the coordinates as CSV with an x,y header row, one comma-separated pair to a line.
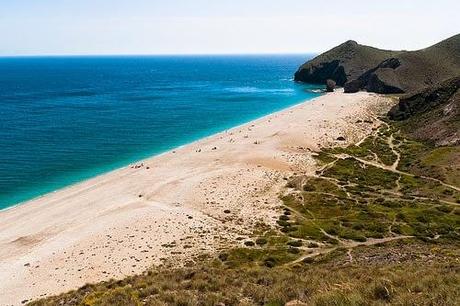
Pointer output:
x,y
116,168
195,199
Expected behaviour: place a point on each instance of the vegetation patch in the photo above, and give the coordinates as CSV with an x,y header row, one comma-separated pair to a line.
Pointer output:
x,y
409,273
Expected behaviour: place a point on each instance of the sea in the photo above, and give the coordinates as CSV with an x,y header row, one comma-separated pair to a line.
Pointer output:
x,y
67,119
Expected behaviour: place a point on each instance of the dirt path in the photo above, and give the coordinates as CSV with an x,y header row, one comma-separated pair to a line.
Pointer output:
x,y
390,168
348,245
395,152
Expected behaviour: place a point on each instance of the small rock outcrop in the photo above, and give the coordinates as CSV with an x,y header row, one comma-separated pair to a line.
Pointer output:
x,y
330,85
320,73
383,81
352,86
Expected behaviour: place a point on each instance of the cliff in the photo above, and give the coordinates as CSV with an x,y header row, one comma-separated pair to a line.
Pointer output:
x,y
343,63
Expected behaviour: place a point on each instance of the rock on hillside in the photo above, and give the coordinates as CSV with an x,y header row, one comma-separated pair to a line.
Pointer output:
x,y
330,85
433,113
358,67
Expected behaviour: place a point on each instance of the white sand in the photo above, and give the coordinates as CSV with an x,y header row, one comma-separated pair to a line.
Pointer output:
x,y
102,228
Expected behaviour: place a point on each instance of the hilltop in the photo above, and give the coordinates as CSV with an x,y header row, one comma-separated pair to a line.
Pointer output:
x,y
359,67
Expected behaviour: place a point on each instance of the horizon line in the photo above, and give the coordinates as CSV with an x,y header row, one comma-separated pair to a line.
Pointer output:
x,y
153,54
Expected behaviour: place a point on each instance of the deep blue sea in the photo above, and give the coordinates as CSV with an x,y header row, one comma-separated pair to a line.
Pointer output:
x,y
66,119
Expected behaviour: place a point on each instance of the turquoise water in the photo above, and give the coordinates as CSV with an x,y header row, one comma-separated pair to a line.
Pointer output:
x,y
66,119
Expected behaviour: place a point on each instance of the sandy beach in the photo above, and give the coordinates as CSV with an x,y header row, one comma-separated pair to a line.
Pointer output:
x,y
196,199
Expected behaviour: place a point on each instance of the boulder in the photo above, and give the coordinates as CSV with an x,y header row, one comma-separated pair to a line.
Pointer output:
x,y
330,85
352,86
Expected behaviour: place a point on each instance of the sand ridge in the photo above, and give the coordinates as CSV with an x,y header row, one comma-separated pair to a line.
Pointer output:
x,y
196,199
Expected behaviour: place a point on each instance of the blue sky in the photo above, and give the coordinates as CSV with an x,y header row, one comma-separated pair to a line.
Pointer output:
x,y
47,27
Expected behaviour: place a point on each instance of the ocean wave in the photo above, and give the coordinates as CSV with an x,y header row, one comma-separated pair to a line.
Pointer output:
x,y
317,90
250,89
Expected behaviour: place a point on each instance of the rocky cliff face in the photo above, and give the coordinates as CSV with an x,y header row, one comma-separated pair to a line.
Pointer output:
x,y
357,67
433,113
343,63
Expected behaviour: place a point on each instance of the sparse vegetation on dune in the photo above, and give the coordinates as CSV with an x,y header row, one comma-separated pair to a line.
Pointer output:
x,y
378,224
405,273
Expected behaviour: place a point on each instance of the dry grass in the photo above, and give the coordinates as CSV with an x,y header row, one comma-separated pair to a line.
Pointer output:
x,y
412,273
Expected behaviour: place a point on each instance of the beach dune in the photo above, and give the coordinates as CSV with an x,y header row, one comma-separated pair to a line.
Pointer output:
x,y
196,199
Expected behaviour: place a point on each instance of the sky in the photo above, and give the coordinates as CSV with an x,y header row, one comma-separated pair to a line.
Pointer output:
x,y
85,27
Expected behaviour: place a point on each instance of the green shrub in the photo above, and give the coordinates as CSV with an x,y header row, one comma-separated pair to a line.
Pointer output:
x,y
284,218
295,243
261,241
249,243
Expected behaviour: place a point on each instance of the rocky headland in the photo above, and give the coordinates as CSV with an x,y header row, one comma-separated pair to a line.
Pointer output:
x,y
358,67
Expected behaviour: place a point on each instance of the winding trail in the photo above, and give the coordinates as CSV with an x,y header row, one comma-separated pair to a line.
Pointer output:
x,y
350,244
395,152
390,168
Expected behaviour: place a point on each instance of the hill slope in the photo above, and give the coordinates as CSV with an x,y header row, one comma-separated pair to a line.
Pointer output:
x,y
432,114
358,67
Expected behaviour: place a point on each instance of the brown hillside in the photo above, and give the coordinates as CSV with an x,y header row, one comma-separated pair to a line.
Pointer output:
x,y
358,67
432,114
